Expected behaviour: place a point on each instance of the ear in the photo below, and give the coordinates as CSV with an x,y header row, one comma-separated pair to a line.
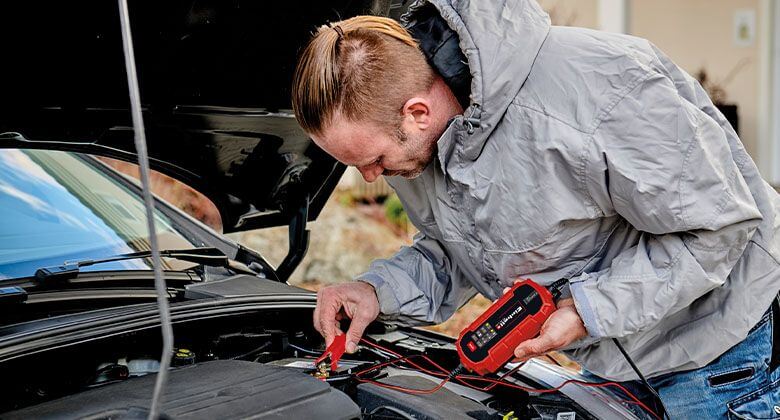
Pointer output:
x,y
417,113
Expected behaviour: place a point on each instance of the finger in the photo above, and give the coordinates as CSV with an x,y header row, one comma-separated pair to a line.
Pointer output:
x,y
565,302
359,324
547,340
316,315
534,347
327,320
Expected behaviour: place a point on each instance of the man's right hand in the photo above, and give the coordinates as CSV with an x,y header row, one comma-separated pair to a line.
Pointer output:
x,y
356,301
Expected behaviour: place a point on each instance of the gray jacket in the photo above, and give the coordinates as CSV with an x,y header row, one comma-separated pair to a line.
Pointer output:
x,y
589,156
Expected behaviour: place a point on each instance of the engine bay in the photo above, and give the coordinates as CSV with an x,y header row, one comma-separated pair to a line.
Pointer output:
x,y
260,363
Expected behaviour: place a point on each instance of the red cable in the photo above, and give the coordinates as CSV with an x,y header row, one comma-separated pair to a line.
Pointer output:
x,y
398,388
420,368
634,399
493,382
407,390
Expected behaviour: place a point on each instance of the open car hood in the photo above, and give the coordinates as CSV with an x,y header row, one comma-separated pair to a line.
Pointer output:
x,y
215,84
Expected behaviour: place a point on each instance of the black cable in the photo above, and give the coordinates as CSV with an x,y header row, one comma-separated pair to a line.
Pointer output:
x,y
642,377
555,287
253,351
455,372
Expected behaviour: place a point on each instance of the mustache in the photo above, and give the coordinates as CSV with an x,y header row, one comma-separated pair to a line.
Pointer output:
x,y
388,172
408,174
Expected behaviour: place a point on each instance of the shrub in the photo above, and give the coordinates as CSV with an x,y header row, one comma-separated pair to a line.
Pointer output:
x,y
395,213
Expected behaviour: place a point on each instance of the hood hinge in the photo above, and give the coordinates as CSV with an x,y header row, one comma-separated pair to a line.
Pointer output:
x,y
299,241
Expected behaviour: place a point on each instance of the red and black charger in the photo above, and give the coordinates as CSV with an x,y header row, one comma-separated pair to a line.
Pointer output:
x,y
489,342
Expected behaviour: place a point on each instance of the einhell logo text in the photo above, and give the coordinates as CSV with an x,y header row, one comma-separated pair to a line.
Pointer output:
x,y
509,317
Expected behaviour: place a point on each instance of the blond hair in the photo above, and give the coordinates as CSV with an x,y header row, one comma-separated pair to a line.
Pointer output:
x,y
365,67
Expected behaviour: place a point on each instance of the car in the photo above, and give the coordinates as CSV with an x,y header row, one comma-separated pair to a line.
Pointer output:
x,y
79,326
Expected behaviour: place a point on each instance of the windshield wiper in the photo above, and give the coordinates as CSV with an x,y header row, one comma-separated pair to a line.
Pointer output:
x,y
209,256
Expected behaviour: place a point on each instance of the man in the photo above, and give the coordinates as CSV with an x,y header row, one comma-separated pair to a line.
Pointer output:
x,y
522,150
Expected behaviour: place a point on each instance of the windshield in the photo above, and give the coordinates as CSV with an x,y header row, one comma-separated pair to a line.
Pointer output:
x,y
58,206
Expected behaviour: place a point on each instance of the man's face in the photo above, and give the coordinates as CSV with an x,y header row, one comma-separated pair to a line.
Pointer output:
x,y
373,151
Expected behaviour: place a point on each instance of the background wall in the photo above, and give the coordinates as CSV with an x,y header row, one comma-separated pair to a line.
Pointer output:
x,y
698,34
583,13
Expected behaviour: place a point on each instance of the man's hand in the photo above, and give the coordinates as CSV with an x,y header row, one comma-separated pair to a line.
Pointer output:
x,y
354,300
562,328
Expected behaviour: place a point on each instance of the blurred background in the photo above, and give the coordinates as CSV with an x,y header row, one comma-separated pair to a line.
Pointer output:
x,y
731,46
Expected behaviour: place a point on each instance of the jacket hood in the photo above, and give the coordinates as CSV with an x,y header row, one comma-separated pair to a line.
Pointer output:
x,y
500,40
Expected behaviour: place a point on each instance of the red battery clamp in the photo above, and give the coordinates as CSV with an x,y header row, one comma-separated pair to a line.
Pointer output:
x,y
490,341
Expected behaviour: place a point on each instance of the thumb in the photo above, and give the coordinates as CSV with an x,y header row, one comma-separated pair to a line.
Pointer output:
x,y
530,348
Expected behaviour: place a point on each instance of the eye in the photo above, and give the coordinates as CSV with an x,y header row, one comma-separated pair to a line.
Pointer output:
x,y
373,163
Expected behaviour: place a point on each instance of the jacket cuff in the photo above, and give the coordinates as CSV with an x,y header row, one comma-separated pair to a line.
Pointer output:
x,y
389,306
584,308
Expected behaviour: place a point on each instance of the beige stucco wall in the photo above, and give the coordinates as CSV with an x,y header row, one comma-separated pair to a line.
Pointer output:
x,y
572,12
699,33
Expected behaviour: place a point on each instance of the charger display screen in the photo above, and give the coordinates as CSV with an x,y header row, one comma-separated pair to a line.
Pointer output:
x,y
484,334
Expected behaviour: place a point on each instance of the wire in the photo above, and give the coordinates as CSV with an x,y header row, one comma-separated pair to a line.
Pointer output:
x,y
634,399
642,377
466,380
252,352
401,413
555,287
359,378
301,349
378,352
406,390
143,163
553,360
398,355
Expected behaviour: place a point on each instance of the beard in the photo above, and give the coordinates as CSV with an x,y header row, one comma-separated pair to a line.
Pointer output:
x,y
418,149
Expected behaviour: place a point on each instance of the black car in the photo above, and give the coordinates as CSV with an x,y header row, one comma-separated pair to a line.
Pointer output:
x,y
79,326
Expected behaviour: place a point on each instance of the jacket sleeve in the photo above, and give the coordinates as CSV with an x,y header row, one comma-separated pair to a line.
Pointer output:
x,y
667,168
419,284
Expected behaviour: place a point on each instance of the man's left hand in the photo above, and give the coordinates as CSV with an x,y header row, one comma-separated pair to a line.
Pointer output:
x,y
562,328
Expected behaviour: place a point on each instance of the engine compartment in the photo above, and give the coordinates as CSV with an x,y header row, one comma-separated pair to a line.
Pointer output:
x,y
214,389
253,363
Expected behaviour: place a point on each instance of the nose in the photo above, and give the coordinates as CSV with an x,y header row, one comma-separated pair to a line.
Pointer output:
x,y
371,172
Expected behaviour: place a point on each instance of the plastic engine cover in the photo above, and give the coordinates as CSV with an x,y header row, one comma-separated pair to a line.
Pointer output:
x,y
221,389
442,405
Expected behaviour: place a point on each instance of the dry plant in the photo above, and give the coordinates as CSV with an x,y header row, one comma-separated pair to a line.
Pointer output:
x,y
716,89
